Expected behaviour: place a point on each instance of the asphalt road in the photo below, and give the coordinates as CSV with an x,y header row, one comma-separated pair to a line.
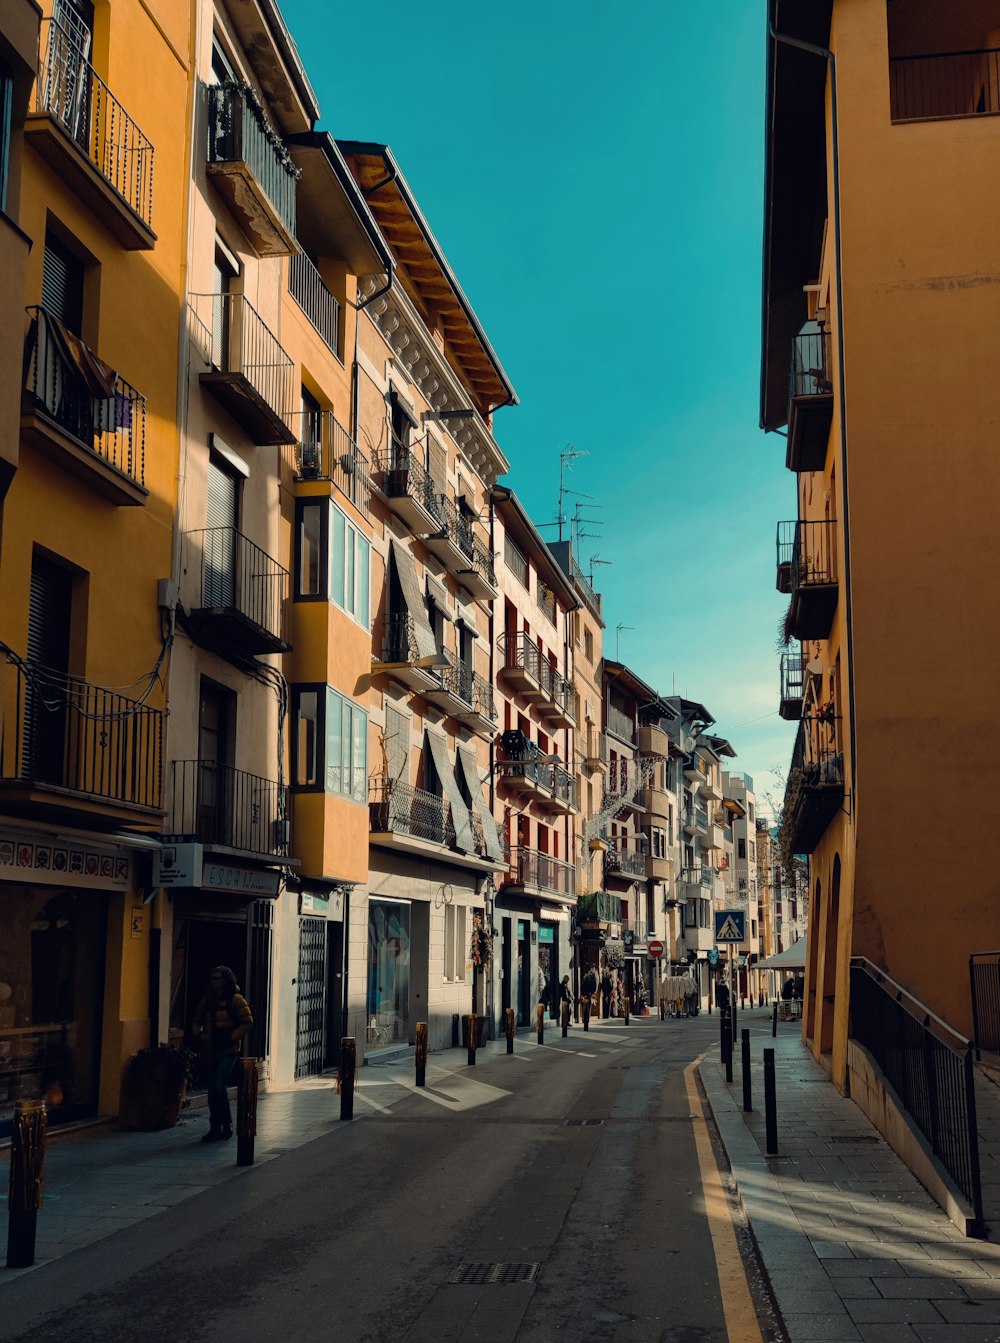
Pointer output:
x,y
579,1178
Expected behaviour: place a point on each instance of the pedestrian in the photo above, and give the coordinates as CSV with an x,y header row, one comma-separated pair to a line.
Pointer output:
x,y
721,995
690,996
565,995
788,988
607,985
588,985
221,1022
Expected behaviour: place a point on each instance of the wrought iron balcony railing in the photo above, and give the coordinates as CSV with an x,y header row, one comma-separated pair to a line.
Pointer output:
x,y
251,372
530,867
71,91
620,723
520,652
399,640
228,807
791,685
559,691
945,84
63,732
810,369
239,132
623,859
399,475
814,790
563,786
305,284
68,384
806,554
241,584
469,687
398,808
462,533
324,450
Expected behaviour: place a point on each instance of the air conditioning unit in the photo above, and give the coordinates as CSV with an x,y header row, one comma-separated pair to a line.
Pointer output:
x,y
348,463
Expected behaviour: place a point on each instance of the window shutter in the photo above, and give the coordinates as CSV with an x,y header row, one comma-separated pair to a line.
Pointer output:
x,y
62,284
397,743
461,819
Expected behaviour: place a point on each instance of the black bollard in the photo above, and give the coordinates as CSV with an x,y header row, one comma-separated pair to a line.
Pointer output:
x,y
728,1030
745,1068
509,1023
586,1014
770,1105
471,1036
723,1027
540,1023
347,1077
27,1167
420,1053
565,1020
625,1007
246,1111
774,1020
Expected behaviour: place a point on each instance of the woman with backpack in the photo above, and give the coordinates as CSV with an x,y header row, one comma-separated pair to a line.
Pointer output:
x,y
221,1022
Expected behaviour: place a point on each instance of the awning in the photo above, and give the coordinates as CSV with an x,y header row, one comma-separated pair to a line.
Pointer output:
x,y
737,808
467,615
438,594
406,571
470,772
792,958
464,837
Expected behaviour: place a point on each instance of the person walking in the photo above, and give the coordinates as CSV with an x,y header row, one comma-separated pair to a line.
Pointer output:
x,y
607,986
565,995
221,1022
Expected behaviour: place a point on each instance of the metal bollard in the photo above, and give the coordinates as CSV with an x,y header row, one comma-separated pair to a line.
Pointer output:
x,y
540,1023
509,1022
586,1014
723,1019
471,1036
770,1105
27,1168
625,1006
420,1053
774,1020
565,1020
347,1078
246,1111
728,1059
745,1068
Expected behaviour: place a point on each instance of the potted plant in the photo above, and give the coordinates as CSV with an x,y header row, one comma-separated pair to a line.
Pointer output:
x,y
154,1086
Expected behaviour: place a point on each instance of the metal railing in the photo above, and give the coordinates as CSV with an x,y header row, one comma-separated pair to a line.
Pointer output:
x,y
584,583
67,733
109,419
71,91
462,534
806,554
984,983
620,723
602,905
810,368
471,688
945,84
536,771
399,639
622,859
229,807
816,753
791,676
324,450
520,650
239,132
305,284
236,575
928,1065
558,690
398,808
399,474
529,867
238,341
563,786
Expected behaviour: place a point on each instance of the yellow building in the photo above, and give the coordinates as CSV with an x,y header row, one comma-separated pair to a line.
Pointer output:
x,y
879,349
87,534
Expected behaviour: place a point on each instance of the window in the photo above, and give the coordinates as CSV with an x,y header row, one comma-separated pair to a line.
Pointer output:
x,y
329,743
691,914
547,602
657,842
514,560
588,645
741,848
455,938
333,559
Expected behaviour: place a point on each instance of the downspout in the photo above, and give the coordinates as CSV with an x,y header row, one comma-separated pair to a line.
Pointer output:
x,y
826,54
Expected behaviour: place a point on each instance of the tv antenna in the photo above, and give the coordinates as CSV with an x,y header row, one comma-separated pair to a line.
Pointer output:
x,y
567,457
596,559
618,634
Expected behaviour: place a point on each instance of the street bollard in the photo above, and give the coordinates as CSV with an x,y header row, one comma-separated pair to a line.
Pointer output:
x,y
509,1025
565,1020
723,1019
246,1111
770,1105
586,1014
27,1167
745,1069
774,1020
728,1035
540,1023
347,1077
471,1036
625,1007
420,1053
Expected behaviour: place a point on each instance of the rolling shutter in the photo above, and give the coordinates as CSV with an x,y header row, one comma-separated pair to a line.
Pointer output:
x,y
62,284
449,786
470,772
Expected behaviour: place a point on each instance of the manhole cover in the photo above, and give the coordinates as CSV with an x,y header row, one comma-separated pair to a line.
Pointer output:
x,y
582,1123
478,1275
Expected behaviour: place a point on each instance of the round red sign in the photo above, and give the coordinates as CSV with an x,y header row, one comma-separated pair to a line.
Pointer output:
x,y
654,949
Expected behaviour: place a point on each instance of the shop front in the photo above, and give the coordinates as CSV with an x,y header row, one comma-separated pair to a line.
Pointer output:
x,y
321,979
390,932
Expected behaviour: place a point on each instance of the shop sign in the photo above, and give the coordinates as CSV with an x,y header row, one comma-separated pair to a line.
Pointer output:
x,y
629,940
178,865
35,859
615,932
329,905
546,933
239,880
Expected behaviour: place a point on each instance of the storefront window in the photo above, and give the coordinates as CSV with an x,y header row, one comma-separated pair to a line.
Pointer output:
x,y
51,988
388,973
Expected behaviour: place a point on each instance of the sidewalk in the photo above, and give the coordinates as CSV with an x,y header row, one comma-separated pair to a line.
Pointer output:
x,y
854,1247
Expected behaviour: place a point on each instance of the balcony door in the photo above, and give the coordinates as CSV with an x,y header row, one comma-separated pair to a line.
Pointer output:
x,y
222,516
45,721
216,738
67,68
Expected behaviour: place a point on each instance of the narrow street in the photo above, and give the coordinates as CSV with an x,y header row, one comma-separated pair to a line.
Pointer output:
x,y
579,1175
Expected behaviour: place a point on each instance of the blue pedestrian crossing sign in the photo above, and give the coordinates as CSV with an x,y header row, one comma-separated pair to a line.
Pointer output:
x,y
730,925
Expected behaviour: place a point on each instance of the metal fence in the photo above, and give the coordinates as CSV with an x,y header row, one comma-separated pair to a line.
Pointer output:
x,y
65,732
398,808
105,414
236,575
945,84
227,806
239,132
305,284
470,687
806,554
399,474
929,1067
324,450
791,676
810,369
530,867
240,342
71,91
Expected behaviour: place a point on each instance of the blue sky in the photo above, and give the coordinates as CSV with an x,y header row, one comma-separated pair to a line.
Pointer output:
x,y
594,175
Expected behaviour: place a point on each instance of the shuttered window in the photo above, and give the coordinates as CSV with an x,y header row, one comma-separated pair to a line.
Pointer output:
x,y
221,519
397,743
49,607
62,284
461,819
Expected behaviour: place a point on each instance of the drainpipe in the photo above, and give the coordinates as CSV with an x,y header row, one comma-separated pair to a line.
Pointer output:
x,y
827,55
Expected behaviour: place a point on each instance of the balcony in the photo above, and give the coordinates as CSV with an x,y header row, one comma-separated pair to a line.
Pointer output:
x,y
696,820
790,705
416,821
945,85
659,868
807,569
81,415
536,873
599,907
695,768
240,603
623,860
653,741
559,700
621,724
596,752
562,799
402,659
305,284
228,808
709,789
521,664
325,451
466,696
67,744
657,802
85,135
711,839
691,881
522,767
408,488
814,793
251,169
810,402
251,374
461,551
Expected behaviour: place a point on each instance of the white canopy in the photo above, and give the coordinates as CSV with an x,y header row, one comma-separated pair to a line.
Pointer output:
x,y
792,958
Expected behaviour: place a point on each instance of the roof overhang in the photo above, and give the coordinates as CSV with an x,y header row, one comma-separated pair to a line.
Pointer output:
x,y
425,274
693,714
271,51
795,189
718,744
626,679
333,215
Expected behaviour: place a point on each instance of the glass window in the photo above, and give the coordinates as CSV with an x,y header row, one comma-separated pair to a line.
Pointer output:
x,y
338,576
388,998
310,572
307,740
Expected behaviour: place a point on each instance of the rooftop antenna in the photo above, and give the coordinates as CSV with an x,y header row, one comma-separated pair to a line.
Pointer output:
x,y
596,559
618,634
579,521
567,457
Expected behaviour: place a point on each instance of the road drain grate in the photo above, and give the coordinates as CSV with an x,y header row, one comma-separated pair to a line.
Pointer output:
x,y
581,1123
856,1137
479,1275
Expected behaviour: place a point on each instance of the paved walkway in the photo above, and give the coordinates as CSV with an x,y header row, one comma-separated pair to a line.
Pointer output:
x,y
854,1247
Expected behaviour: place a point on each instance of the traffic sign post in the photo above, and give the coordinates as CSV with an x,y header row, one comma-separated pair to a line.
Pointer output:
x,y
654,948
730,925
